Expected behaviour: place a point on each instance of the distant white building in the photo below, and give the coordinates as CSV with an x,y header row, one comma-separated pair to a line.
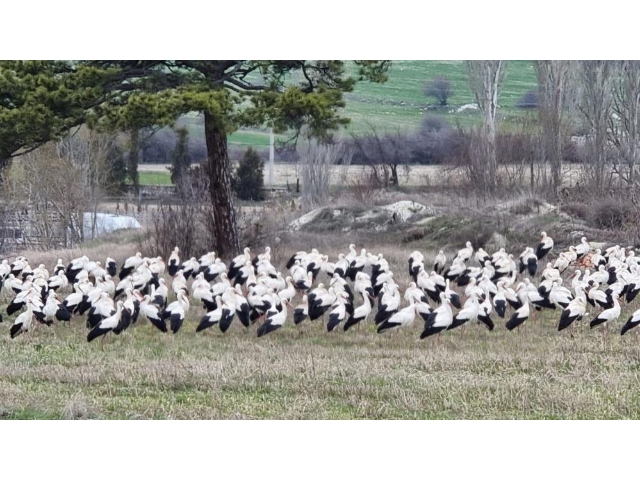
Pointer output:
x,y
106,223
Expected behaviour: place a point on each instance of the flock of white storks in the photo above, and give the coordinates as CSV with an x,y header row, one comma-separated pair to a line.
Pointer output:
x,y
358,286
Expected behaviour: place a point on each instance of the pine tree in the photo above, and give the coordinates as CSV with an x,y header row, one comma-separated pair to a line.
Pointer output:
x,y
41,101
248,180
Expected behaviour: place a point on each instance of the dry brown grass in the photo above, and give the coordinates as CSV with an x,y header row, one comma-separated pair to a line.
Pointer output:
x,y
307,373
118,245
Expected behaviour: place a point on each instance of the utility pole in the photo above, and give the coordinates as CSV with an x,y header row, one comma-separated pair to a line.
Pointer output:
x,y
271,156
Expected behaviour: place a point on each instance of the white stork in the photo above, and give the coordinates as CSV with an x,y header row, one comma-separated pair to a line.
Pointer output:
x,y
176,311
275,320
402,318
360,314
107,325
521,314
301,312
440,319
545,245
439,262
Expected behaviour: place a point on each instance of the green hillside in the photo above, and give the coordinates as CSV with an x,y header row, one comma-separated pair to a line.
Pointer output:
x,y
399,104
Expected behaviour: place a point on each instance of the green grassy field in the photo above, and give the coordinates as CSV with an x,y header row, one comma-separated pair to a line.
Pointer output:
x,y
155,178
400,102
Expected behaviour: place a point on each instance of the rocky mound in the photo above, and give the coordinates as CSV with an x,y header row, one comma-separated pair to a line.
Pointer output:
x,y
342,218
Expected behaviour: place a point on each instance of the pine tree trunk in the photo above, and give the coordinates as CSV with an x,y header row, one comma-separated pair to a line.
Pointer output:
x,y
224,215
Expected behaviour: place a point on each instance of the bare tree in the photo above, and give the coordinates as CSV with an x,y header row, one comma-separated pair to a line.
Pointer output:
x,y
595,105
90,154
49,202
186,223
624,130
288,154
517,152
553,76
385,154
438,88
317,161
485,79
50,191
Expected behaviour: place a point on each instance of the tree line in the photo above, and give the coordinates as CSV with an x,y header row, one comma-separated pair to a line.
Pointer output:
x,y
582,112
597,101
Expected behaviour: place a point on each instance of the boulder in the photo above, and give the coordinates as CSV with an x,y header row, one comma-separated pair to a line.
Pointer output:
x,y
347,218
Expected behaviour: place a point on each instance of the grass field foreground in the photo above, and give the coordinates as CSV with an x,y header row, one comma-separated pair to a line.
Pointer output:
x,y
306,373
